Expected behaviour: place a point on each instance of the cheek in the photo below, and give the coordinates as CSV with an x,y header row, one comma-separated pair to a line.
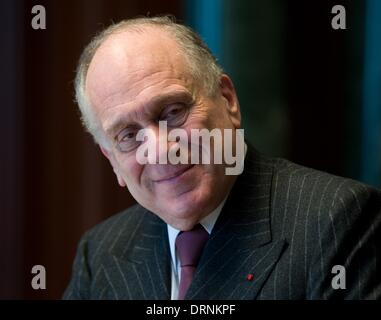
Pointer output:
x,y
130,169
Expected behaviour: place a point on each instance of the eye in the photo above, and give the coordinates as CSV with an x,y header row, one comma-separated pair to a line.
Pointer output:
x,y
126,140
175,114
128,136
174,111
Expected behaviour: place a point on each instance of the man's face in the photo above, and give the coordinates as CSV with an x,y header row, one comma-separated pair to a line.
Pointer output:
x,y
136,80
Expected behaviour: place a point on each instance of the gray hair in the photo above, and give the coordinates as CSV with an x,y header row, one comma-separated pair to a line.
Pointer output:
x,y
203,65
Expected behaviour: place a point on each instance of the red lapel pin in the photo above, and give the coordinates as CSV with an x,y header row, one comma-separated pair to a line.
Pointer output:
x,y
250,277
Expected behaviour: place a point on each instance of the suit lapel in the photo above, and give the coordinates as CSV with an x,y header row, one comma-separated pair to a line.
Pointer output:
x,y
241,242
143,270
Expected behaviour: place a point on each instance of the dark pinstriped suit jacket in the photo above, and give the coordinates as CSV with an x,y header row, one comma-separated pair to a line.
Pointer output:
x,y
286,224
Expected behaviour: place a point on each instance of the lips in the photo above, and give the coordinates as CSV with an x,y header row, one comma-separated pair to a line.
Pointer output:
x,y
174,174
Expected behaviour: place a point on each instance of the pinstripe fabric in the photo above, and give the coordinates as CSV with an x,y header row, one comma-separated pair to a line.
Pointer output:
x,y
286,224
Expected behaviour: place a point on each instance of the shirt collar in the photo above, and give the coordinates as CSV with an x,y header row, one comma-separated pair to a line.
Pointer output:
x,y
207,222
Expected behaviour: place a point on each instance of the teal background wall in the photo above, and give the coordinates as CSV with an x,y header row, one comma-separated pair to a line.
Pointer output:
x,y
307,92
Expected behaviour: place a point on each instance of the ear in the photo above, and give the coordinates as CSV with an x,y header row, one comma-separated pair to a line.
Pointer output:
x,y
230,97
114,165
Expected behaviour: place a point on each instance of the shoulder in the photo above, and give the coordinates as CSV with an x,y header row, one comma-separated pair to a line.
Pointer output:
x,y
320,199
326,186
115,232
124,219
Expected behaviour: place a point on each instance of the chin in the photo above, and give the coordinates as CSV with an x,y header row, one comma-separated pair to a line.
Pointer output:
x,y
189,207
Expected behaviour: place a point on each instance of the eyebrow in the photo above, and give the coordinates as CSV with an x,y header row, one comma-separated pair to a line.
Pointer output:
x,y
160,100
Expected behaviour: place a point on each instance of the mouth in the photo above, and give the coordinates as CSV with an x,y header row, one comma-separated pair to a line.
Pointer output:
x,y
175,175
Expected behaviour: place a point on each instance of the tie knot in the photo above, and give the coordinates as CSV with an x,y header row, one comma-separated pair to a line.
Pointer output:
x,y
190,244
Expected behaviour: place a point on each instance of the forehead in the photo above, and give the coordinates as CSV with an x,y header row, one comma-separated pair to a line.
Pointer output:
x,y
129,63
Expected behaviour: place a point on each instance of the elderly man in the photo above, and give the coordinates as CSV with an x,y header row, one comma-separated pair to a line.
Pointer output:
x,y
276,231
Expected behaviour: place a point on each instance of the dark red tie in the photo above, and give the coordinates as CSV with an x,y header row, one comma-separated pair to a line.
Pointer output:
x,y
189,246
